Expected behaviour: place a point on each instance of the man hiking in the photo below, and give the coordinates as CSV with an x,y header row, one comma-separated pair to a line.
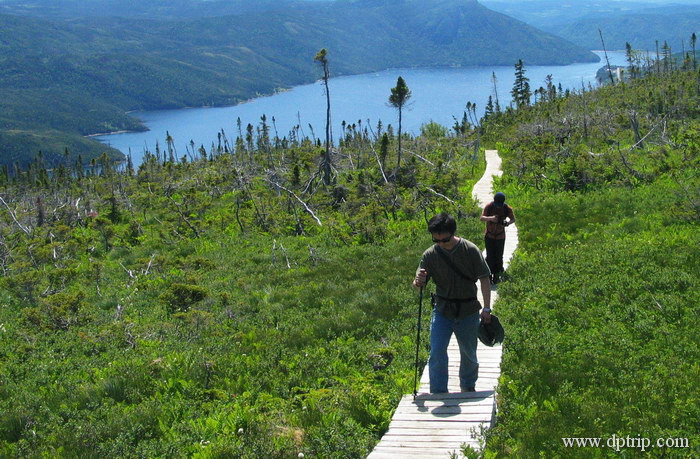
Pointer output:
x,y
455,265
497,215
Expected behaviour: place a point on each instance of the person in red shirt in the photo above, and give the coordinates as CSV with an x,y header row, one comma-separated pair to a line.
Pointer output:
x,y
497,215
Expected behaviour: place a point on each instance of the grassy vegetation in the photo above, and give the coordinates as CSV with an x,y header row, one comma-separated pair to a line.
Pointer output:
x,y
603,296
237,306
196,309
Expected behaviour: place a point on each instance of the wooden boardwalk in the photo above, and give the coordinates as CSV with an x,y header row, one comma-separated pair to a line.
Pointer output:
x,y
437,425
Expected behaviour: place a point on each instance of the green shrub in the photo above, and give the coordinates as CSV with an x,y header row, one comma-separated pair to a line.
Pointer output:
x,y
181,297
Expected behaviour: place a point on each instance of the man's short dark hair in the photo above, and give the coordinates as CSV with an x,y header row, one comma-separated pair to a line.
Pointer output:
x,y
442,223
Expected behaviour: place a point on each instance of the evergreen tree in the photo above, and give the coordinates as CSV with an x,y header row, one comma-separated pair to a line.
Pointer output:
x,y
129,164
488,109
398,99
322,58
171,147
551,92
41,213
113,214
249,139
667,57
384,149
471,113
693,40
461,127
264,138
630,60
658,58
521,87
79,167
497,104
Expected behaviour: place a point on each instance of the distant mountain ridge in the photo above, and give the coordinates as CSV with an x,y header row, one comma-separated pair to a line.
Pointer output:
x,y
640,24
151,9
642,29
79,75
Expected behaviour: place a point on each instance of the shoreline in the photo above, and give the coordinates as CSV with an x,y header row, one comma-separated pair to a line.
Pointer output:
x,y
147,129
124,131
280,90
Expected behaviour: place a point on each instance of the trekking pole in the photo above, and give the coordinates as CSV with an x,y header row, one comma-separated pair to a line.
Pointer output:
x,y
420,311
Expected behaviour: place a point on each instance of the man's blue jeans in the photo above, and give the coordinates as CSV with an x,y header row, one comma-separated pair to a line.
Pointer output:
x,y
467,331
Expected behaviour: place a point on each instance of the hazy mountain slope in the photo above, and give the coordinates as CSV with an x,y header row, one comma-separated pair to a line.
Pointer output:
x,y
643,29
544,14
112,65
153,9
641,24
476,35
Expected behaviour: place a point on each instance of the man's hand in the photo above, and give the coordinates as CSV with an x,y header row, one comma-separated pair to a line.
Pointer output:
x,y
486,295
421,278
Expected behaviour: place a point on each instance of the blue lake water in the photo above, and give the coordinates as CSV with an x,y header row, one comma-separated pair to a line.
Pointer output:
x,y
438,95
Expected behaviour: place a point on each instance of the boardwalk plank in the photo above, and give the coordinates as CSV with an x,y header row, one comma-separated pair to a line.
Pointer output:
x,y
424,431
428,453
441,424
445,411
394,453
423,404
460,417
431,445
467,395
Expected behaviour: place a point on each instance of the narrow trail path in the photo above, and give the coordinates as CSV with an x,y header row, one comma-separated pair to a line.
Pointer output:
x,y
436,425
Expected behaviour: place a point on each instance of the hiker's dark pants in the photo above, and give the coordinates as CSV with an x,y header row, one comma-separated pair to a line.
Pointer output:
x,y
494,254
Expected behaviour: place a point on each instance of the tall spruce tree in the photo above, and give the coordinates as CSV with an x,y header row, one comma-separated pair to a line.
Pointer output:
x,y
693,40
551,90
521,87
488,109
630,60
322,58
667,57
398,99
497,104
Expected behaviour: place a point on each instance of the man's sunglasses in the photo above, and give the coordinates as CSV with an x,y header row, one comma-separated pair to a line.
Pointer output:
x,y
447,239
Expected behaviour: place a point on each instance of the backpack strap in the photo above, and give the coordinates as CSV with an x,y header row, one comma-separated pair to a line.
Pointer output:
x,y
447,260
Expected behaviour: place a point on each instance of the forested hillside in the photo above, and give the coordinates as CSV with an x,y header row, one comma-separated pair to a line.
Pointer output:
x,y
644,29
153,9
64,78
642,24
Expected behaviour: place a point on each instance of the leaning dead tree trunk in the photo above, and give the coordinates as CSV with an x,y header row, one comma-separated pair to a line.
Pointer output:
x,y
25,229
607,61
634,124
379,162
294,195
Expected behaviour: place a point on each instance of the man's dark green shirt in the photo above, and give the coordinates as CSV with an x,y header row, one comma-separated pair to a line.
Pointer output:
x,y
467,257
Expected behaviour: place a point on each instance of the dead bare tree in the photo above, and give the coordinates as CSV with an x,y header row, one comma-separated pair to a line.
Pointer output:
x,y
13,215
294,195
